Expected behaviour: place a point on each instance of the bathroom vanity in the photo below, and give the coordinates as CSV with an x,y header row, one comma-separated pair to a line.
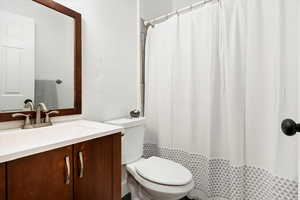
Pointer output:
x,y
78,160
82,164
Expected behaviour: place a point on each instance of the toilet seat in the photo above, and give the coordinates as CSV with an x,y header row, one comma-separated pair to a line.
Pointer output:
x,y
161,188
164,172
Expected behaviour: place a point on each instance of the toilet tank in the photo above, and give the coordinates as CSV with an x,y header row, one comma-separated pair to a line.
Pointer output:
x,y
133,139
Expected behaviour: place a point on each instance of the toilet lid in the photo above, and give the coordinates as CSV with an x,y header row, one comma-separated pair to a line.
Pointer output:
x,y
164,172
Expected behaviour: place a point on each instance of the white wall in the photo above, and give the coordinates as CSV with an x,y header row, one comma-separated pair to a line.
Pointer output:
x,y
155,8
110,30
176,4
109,56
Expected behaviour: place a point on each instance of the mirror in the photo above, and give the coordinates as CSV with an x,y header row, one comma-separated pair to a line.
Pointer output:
x,y
38,43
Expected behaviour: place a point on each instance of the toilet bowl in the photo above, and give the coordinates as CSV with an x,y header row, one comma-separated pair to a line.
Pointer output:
x,y
153,178
158,179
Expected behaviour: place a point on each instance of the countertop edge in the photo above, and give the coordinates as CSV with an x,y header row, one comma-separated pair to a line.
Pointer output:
x,y
34,151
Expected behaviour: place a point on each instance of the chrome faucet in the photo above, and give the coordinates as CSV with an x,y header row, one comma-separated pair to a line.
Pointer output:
x,y
41,107
28,104
39,122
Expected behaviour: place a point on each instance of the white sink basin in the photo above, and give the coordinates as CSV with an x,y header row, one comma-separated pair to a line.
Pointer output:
x,y
19,143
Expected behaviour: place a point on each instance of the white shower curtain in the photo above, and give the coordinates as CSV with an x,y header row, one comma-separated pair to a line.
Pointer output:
x,y
219,81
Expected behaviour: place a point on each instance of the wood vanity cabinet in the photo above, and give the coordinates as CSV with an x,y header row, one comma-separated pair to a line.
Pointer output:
x,y
86,171
2,182
43,176
98,169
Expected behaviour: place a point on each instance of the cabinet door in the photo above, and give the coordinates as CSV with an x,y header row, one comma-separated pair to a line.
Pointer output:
x,y
2,182
45,176
94,170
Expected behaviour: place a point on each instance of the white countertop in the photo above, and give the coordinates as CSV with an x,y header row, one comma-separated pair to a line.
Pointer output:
x,y
18,143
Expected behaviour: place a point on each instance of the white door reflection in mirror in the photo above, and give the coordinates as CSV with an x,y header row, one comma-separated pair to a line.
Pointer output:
x,y
37,49
17,61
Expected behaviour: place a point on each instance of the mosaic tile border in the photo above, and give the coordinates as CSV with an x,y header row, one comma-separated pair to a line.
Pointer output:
x,y
218,179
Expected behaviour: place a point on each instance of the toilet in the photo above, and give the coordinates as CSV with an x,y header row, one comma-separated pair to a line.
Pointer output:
x,y
153,178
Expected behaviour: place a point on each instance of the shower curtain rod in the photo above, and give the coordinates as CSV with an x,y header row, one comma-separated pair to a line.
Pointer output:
x,y
157,20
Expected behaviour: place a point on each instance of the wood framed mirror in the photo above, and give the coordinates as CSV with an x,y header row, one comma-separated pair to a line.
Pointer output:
x,y
40,57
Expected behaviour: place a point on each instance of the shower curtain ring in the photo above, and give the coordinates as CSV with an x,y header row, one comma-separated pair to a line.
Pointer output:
x,y
168,15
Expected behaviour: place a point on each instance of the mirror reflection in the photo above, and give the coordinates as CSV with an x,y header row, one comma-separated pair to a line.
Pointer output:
x,y
36,56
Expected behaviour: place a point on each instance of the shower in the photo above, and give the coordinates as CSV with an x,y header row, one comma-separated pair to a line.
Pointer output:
x,y
219,79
